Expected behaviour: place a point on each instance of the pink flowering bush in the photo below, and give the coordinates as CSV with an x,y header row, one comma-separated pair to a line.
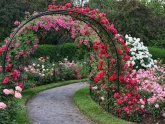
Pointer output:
x,y
152,89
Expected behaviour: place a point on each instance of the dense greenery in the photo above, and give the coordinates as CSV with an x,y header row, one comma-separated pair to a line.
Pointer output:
x,y
139,19
59,52
11,10
74,53
157,53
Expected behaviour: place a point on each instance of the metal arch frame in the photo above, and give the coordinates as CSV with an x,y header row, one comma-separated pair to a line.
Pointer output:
x,y
65,12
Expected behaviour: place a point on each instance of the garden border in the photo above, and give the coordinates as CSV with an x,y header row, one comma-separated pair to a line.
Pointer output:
x,y
93,111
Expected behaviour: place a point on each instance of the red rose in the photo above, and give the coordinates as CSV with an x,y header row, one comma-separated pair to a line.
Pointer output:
x,y
5,81
112,78
113,87
116,95
113,61
1,51
9,67
100,65
50,7
55,7
119,101
99,76
127,50
68,5
120,52
126,58
128,86
20,84
132,82
0,70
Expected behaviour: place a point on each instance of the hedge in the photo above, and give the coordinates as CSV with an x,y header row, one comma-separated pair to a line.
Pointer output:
x,y
72,52
59,52
157,53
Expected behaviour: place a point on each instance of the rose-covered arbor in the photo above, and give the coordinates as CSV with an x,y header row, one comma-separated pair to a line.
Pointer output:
x,y
110,81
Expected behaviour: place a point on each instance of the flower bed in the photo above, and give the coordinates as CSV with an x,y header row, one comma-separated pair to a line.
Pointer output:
x,y
42,71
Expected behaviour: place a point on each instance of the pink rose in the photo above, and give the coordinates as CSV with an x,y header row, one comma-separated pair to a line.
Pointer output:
x,y
18,88
17,23
6,91
17,45
2,105
142,106
156,105
18,95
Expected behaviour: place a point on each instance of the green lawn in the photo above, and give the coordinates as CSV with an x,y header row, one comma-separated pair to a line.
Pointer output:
x,y
22,117
93,111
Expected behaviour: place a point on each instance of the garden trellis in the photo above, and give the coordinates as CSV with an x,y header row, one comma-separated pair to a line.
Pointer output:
x,y
110,74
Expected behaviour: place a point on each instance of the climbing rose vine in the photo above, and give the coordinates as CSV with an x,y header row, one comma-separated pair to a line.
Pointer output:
x,y
111,78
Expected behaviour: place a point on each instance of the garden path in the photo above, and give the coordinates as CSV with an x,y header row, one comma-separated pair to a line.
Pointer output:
x,y
56,106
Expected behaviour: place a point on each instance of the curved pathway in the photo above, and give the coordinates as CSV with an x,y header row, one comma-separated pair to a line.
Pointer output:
x,y
55,106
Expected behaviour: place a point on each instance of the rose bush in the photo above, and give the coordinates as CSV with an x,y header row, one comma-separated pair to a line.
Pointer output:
x,y
152,89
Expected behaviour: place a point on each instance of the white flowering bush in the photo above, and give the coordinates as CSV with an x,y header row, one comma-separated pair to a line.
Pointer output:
x,y
140,56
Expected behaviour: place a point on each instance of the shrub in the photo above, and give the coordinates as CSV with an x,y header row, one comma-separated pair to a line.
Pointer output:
x,y
135,18
151,87
157,53
140,56
59,52
11,10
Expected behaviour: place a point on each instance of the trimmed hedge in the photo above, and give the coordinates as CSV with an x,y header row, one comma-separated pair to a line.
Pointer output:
x,y
157,53
72,52
59,52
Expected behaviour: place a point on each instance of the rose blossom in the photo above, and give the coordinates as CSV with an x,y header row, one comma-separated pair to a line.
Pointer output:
x,y
2,105
8,91
18,88
102,98
142,106
5,81
156,105
18,95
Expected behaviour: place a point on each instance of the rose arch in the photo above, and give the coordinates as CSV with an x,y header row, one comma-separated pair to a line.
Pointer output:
x,y
111,83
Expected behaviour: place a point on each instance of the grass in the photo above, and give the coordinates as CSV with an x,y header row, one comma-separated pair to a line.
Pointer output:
x,y
93,111
22,117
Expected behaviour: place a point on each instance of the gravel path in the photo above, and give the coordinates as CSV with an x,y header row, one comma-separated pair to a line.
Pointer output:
x,y
55,106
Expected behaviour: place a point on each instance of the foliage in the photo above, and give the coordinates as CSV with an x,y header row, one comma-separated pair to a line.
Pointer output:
x,y
135,18
11,10
140,56
157,53
59,52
